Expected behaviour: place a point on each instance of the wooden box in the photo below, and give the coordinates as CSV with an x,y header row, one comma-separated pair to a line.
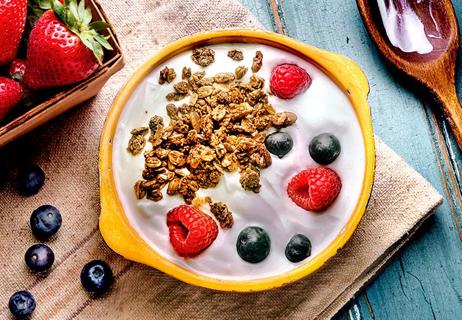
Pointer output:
x,y
71,96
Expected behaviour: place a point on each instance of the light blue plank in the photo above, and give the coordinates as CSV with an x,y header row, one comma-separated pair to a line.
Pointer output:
x,y
262,11
424,281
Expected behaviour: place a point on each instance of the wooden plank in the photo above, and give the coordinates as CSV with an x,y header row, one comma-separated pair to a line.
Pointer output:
x,y
262,10
423,282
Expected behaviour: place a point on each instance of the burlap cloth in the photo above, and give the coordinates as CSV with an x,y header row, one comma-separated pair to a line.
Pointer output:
x,y
67,149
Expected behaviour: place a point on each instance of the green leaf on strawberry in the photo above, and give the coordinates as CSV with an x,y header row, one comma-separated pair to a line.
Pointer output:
x,y
36,8
78,19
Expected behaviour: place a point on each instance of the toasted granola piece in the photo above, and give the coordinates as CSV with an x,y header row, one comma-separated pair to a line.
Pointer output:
x,y
167,75
175,96
236,55
140,131
192,137
239,111
173,186
240,72
186,73
152,162
156,124
140,192
203,56
193,99
222,214
218,114
187,189
208,154
256,82
223,97
224,77
284,119
154,195
181,87
250,180
176,158
195,121
207,126
257,62
261,157
136,144
172,111
205,82
204,91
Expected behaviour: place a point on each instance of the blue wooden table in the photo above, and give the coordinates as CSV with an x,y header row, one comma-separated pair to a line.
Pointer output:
x,y
424,280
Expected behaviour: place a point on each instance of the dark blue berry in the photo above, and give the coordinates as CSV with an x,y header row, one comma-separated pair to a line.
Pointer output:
x,y
253,244
30,179
45,221
39,257
22,304
324,148
96,277
298,248
279,143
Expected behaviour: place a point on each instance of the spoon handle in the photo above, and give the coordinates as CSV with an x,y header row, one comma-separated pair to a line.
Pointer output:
x,y
452,111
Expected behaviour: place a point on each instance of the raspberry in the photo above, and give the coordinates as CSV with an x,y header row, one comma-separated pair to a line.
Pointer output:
x,y
314,189
289,80
191,230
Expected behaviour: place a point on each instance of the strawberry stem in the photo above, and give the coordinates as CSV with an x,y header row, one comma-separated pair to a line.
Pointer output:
x,y
78,18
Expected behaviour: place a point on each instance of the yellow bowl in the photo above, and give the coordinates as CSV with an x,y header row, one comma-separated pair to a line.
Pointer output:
x,y
114,225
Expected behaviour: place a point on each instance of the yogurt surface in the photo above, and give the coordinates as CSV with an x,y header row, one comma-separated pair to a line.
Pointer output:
x,y
322,108
404,28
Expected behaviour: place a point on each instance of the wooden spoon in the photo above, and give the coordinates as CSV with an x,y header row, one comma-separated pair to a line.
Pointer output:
x,y
434,70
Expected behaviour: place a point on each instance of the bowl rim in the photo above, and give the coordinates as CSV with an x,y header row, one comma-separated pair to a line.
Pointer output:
x,y
128,243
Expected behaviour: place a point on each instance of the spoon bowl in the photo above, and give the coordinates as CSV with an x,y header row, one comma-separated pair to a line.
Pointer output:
x,y
421,39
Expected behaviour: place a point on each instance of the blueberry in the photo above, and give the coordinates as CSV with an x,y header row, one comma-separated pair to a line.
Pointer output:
x,y
22,304
96,277
30,179
279,143
45,221
39,257
298,248
324,148
253,244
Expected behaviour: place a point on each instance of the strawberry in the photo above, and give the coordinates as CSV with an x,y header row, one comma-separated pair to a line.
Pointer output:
x,y
17,69
191,230
314,189
64,46
12,23
10,95
289,80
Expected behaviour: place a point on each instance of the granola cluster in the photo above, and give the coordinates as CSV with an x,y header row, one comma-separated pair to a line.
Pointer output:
x,y
222,214
220,129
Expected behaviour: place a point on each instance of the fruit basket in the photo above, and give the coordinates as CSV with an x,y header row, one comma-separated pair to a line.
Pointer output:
x,y
67,97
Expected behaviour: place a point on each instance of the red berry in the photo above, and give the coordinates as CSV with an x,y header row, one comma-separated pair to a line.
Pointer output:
x,y
314,189
65,50
10,95
191,230
289,80
12,23
55,56
17,69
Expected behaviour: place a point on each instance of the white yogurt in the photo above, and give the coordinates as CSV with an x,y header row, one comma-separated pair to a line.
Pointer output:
x,y
322,108
403,26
